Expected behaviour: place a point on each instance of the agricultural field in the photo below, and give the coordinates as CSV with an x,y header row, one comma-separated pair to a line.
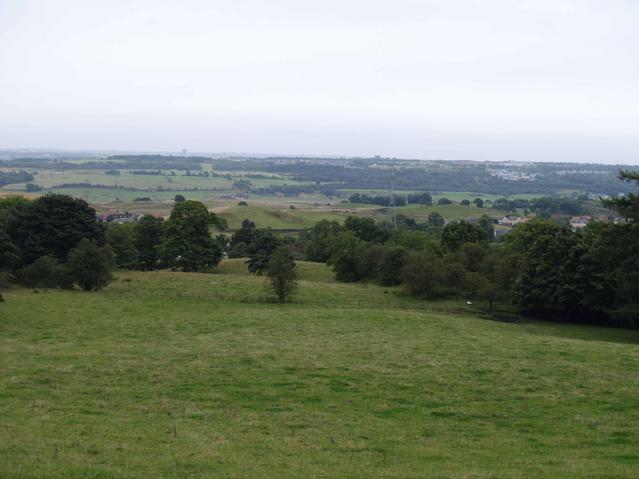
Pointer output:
x,y
179,375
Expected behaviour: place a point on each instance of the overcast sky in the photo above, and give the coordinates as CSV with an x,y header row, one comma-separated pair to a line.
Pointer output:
x,y
547,80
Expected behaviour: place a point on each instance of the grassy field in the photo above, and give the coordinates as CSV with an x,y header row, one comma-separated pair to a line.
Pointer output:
x,y
189,375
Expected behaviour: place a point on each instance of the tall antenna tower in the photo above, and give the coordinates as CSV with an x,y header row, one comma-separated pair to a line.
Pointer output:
x,y
392,196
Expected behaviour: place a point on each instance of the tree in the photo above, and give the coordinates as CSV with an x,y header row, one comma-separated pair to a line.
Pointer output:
x,y
90,265
121,239
344,256
444,201
8,258
487,226
423,273
282,274
52,225
32,187
556,273
465,202
365,229
627,206
319,242
479,202
391,265
262,245
179,199
457,233
436,219
147,237
45,272
187,242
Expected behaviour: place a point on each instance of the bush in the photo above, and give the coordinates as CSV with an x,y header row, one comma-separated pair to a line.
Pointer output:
x,y
424,273
282,274
90,265
391,265
242,203
45,272
444,201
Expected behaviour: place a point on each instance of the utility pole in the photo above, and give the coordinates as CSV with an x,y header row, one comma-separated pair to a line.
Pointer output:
x,y
392,196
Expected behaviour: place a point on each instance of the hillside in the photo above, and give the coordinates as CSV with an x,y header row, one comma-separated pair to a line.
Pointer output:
x,y
189,375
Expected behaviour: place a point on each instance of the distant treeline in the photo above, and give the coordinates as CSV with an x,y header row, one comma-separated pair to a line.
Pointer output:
x,y
12,177
481,178
399,200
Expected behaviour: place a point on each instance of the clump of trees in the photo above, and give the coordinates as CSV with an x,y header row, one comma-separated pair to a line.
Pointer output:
x,y
394,200
56,241
543,268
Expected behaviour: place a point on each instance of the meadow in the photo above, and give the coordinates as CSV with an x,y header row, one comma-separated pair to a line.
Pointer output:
x,y
175,375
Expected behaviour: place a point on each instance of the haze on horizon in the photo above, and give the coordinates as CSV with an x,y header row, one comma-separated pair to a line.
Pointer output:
x,y
524,80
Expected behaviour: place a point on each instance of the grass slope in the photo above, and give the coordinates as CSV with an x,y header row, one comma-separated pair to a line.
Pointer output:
x,y
187,375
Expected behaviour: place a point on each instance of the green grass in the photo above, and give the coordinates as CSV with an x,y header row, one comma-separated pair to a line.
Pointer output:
x,y
188,375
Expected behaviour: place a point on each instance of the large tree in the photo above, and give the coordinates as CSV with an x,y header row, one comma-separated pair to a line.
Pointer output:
x,y
320,236
262,245
187,242
148,233
121,239
456,234
52,225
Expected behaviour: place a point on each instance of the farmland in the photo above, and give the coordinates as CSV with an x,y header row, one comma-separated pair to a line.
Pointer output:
x,y
190,375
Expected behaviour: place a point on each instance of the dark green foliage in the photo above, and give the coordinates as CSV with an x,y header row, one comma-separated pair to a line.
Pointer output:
x,y
121,239
52,225
320,237
187,242
148,234
424,273
556,272
262,245
344,256
369,257
464,202
12,177
45,272
436,219
282,274
460,232
479,202
90,266
627,206
179,199
444,201
32,187
391,265
8,252
365,229
487,226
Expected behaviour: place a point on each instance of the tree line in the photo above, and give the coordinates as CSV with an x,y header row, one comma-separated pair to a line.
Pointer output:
x,y
543,268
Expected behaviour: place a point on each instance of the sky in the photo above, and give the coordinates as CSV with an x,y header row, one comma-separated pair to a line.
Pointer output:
x,y
521,80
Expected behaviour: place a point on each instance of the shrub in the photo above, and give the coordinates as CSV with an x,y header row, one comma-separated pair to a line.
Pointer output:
x,y
282,274
90,265
45,272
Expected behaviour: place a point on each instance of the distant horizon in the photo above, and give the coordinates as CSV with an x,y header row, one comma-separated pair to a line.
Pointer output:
x,y
285,155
